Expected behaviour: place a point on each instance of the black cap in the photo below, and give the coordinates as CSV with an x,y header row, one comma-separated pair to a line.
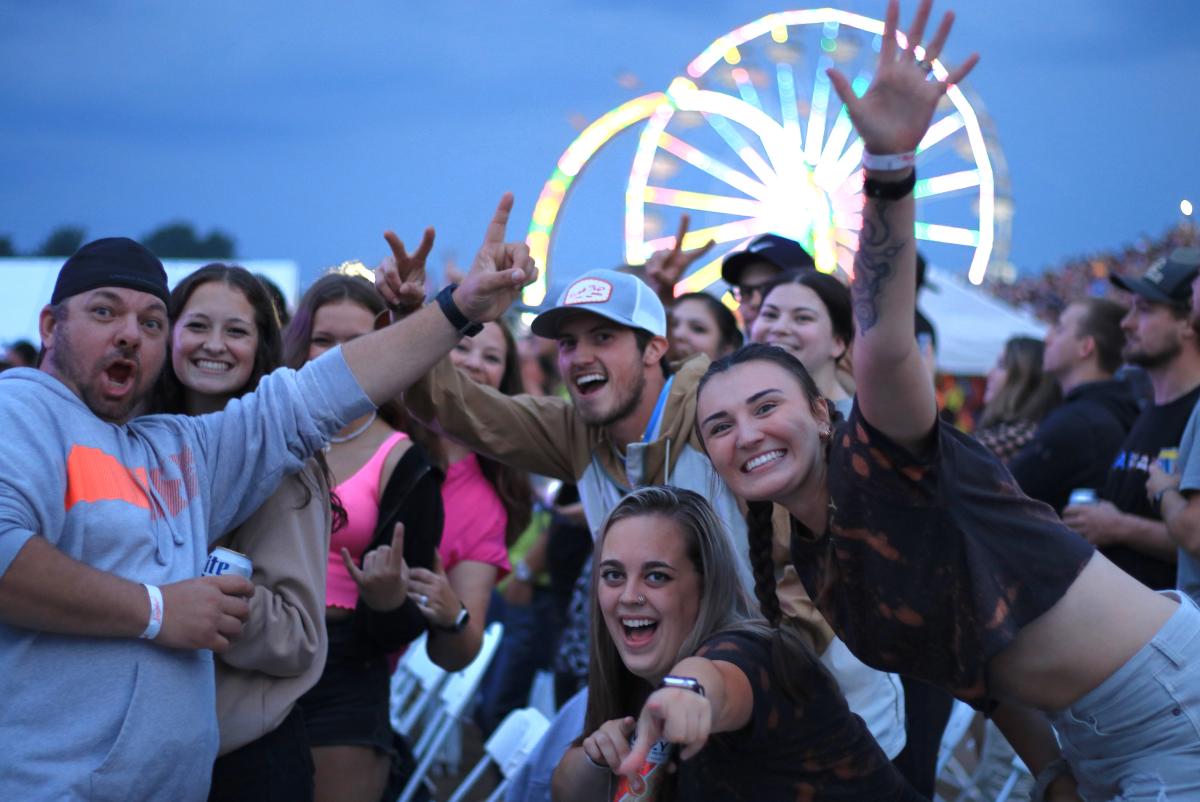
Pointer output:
x,y
112,262
784,253
1167,281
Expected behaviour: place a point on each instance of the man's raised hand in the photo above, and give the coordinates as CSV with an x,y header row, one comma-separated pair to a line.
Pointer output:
x,y
498,273
894,113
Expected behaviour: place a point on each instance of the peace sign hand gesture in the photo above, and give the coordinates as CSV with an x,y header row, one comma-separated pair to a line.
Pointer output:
x,y
383,579
498,273
666,267
894,114
400,278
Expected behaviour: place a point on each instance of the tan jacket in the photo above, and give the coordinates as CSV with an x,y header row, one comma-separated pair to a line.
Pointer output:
x,y
281,652
545,436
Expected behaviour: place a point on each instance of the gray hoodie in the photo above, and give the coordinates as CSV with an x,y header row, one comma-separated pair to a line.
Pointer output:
x,y
124,719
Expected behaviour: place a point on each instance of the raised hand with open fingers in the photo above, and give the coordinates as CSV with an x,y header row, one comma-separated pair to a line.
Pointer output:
x,y
894,113
666,267
498,273
400,278
383,579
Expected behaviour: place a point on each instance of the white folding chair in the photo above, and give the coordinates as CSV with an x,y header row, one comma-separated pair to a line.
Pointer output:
x,y
509,747
415,685
452,699
957,732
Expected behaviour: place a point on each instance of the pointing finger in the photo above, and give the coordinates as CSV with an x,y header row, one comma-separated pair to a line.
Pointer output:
x,y
496,229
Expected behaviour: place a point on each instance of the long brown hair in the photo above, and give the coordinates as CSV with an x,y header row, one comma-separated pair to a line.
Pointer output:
x,y
725,606
511,485
1028,393
760,532
268,355
334,288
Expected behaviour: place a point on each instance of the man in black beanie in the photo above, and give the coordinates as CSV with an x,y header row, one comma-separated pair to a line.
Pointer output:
x,y
104,334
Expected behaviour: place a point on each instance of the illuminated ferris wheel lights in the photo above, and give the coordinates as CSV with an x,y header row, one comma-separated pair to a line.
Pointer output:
x,y
733,56
779,34
951,235
949,182
940,130
704,202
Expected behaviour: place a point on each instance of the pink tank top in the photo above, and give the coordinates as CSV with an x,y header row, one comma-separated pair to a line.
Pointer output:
x,y
360,497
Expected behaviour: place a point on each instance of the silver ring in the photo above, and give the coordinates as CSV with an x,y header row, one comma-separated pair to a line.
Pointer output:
x,y
424,602
641,599
925,65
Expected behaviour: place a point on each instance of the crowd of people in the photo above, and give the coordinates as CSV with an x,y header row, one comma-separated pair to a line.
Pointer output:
x,y
758,562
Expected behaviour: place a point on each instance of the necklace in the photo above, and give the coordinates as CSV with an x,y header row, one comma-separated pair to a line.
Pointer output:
x,y
356,432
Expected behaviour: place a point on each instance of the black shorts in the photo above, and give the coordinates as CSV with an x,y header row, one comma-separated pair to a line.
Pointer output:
x,y
349,704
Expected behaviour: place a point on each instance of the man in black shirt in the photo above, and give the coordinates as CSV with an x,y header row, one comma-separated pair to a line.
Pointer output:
x,y
1160,339
1077,442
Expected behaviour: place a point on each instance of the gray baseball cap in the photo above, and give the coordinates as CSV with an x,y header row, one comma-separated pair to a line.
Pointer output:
x,y
620,297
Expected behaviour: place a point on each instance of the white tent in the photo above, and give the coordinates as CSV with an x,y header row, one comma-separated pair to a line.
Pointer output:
x,y
972,326
26,286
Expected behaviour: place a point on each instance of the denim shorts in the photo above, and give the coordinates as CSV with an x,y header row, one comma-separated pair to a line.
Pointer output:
x,y
349,704
1137,735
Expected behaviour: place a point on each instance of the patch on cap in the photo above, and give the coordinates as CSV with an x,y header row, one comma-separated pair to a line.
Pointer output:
x,y
588,291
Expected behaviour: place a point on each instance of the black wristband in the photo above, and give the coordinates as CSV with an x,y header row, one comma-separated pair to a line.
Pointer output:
x,y
445,300
889,190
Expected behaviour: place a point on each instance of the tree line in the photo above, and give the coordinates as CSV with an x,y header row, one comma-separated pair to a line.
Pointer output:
x,y
175,240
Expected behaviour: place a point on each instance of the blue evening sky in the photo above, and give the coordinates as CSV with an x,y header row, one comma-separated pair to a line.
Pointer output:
x,y
305,129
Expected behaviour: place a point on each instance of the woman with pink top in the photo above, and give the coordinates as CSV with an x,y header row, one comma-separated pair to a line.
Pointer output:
x,y
393,526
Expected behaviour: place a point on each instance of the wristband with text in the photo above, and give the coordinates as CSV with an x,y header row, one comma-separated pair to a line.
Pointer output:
x,y
156,612
888,161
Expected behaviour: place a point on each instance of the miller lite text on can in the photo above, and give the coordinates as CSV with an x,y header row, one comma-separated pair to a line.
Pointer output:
x,y
1082,495
227,561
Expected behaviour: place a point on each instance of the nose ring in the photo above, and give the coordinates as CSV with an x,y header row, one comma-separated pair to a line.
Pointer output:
x,y
641,599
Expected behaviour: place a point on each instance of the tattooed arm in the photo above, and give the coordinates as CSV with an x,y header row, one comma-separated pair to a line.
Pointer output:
x,y
894,391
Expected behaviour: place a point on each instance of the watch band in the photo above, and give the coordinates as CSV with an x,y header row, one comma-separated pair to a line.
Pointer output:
x,y
683,683
889,190
445,301
460,623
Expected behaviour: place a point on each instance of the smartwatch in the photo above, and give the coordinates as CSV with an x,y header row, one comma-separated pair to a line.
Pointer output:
x,y
685,683
522,572
445,300
460,622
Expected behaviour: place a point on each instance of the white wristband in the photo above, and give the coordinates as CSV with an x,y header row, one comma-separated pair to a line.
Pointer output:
x,y
156,612
889,161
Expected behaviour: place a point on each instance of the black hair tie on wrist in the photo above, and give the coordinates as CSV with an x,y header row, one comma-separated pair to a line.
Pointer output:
x,y
889,190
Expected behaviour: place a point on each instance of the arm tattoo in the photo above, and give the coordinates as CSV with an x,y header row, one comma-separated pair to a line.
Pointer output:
x,y
874,265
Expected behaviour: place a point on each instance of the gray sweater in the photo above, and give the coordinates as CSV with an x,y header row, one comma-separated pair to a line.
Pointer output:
x,y
126,719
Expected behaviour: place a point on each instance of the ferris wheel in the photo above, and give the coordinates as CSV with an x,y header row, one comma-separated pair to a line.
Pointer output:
x,y
753,140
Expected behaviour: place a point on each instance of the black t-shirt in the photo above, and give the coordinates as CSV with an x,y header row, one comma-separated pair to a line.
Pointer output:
x,y
815,751
1157,428
929,567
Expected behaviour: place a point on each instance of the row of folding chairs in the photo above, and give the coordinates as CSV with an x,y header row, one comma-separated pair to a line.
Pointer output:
x,y
950,770
428,706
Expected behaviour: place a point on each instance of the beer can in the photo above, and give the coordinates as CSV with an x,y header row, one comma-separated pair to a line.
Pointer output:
x,y
1082,495
644,787
1167,458
227,561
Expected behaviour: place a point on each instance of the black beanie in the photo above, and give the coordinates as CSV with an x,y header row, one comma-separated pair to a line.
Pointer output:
x,y
112,262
